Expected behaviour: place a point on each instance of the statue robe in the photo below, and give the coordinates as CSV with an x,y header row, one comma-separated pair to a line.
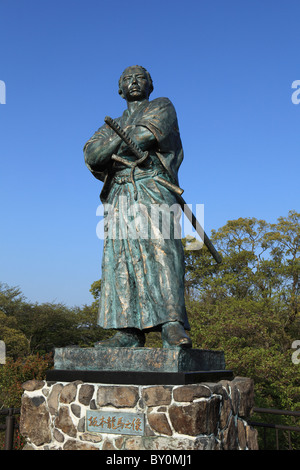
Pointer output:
x,y
142,283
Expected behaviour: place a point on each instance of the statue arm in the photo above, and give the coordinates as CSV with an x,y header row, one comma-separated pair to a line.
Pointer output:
x,y
158,124
142,136
99,149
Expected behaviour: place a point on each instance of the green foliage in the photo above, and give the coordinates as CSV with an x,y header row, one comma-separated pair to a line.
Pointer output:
x,y
95,289
28,328
12,375
15,372
15,341
249,305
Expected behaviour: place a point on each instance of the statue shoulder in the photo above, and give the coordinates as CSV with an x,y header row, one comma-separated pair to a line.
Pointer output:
x,y
161,102
163,106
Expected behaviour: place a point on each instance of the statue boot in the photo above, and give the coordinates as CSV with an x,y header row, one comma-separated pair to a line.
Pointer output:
x,y
174,335
124,338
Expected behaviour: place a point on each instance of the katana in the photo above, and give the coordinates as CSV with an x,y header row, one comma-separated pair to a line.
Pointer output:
x,y
141,157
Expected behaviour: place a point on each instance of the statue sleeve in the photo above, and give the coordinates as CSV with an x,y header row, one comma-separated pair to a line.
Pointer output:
x,y
160,118
97,159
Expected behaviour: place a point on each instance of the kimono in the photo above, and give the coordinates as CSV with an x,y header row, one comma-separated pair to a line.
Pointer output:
x,y
142,283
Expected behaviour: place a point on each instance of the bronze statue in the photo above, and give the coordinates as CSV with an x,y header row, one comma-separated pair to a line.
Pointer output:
x,y
142,285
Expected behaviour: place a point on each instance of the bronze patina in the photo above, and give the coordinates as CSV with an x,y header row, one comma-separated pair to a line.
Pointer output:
x,y
141,157
142,285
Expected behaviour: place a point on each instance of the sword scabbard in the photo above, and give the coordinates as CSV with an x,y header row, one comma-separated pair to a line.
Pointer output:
x,y
178,191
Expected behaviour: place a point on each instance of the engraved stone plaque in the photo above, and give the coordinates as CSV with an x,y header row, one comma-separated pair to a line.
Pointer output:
x,y
115,422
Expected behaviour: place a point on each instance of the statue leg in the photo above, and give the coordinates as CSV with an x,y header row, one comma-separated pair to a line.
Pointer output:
x,y
174,336
124,338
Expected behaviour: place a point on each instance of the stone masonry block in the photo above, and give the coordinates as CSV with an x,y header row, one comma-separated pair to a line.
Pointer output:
x,y
118,396
157,395
197,418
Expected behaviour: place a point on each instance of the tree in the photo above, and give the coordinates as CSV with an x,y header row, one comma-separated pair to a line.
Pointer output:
x,y
284,238
249,305
16,343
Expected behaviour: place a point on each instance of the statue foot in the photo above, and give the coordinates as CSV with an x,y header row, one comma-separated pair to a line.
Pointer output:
x,y
174,336
125,338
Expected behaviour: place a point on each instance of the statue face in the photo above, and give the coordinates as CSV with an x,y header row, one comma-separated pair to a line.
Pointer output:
x,y
134,84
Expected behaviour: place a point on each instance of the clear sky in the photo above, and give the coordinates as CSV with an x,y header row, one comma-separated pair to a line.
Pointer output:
x,y
227,66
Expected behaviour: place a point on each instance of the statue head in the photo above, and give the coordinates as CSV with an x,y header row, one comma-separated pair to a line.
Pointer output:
x,y
135,83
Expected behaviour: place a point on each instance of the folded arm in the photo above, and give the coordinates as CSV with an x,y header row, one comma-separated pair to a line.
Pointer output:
x,y
105,142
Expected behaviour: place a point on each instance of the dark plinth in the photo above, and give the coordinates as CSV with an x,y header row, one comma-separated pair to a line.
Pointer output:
x,y
138,378
138,359
143,366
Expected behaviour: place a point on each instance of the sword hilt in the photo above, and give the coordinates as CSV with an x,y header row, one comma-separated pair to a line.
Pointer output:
x,y
141,156
124,136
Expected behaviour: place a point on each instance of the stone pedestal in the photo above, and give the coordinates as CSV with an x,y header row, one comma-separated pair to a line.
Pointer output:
x,y
138,399
140,366
201,416
138,359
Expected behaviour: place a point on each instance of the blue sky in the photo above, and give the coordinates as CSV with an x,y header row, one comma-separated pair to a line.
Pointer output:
x,y
227,66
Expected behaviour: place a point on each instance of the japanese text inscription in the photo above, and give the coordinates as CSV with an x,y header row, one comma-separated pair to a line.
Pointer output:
x,y
115,422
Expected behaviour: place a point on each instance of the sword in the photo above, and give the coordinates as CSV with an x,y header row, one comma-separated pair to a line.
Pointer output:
x,y
141,157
